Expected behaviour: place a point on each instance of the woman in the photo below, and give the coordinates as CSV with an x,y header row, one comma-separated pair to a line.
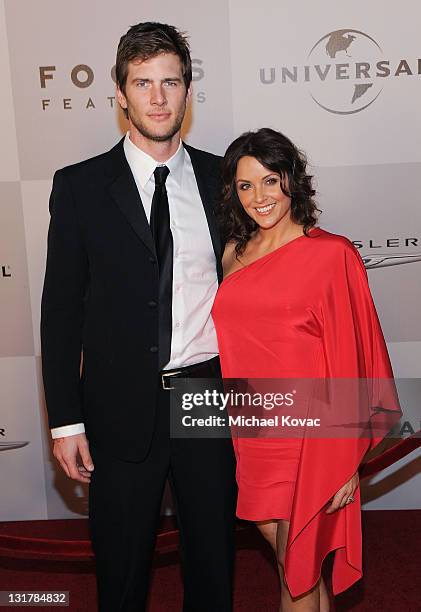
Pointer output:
x,y
294,303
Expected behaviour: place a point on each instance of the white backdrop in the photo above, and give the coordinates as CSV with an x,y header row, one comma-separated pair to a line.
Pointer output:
x,y
343,81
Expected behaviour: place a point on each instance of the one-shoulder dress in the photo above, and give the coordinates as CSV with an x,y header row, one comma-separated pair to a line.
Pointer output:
x,y
303,311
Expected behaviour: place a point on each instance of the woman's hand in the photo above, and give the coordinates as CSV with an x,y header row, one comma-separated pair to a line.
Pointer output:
x,y
341,498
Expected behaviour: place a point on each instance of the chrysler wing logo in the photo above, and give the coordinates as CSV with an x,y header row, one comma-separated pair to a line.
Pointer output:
x,y
10,445
383,261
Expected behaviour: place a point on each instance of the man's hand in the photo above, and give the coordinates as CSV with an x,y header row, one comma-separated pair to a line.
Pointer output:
x,y
341,498
66,452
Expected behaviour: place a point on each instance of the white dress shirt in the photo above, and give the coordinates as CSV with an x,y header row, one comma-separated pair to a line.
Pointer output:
x,y
195,280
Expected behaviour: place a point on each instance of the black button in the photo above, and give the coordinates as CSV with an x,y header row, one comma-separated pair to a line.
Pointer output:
x,y
151,259
152,304
153,349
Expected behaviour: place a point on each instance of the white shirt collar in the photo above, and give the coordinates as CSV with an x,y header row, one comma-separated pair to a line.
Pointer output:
x,y
143,165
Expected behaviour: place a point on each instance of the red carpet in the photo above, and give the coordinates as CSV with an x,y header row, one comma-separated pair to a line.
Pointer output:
x,y
391,582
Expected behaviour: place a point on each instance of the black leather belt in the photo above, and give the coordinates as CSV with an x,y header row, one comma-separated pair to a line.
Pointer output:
x,y
205,369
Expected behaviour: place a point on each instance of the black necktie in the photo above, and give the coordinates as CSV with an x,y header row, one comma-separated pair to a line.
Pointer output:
x,y
160,227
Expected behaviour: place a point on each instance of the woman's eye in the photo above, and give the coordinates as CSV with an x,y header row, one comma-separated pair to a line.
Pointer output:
x,y
244,186
272,180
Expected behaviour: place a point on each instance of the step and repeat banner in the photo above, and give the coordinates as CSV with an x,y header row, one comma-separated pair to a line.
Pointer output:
x,y
342,81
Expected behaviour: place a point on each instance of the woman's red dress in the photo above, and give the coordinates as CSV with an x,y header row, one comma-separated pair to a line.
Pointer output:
x,y
303,311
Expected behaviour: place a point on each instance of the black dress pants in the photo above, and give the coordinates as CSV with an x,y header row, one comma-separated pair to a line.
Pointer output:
x,y
124,512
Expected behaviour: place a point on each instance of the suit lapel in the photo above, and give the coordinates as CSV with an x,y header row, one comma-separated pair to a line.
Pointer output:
x,y
207,186
123,190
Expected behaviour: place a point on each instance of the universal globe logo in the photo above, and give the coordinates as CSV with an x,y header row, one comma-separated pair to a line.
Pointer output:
x,y
344,73
356,84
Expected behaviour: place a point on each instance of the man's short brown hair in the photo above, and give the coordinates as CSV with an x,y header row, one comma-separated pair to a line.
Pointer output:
x,y
149,39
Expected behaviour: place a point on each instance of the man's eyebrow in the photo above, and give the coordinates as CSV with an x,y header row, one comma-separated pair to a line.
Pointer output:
x,y
146,79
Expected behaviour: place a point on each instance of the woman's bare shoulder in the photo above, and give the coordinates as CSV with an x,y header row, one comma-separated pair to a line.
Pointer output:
x,y
229,256
229,250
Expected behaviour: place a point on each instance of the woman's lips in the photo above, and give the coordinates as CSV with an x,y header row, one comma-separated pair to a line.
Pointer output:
x,y
265,210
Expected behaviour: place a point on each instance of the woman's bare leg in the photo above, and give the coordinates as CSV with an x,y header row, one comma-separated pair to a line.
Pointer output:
x,y
268,530
324,597
276,533
310,601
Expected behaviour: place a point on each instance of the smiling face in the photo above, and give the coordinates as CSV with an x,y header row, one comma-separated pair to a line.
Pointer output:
x,y
155,97
259,191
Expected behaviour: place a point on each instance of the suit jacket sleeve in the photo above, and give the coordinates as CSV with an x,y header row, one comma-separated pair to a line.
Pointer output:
x,y
62,307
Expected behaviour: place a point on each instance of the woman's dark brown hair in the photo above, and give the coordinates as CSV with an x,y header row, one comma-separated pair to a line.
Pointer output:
x,y
277,153
146,40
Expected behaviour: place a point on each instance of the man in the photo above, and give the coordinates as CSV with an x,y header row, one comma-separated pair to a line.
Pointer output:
x,y
133,265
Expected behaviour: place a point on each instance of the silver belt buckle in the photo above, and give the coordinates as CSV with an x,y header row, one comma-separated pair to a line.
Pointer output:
x,y
168,375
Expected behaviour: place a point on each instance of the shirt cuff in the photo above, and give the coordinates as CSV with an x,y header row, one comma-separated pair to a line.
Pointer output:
x,y
67,430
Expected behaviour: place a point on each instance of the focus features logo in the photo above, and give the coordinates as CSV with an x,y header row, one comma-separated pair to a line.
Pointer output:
x,y
389,252
9,445
346,71
83,77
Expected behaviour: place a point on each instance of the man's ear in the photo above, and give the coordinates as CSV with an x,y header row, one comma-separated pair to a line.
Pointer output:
x,y
189,93
121,98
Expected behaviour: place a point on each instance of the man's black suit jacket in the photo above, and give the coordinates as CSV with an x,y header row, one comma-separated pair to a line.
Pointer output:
x,y
101,294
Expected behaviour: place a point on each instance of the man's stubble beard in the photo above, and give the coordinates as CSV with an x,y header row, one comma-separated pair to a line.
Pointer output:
x,y
143,130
